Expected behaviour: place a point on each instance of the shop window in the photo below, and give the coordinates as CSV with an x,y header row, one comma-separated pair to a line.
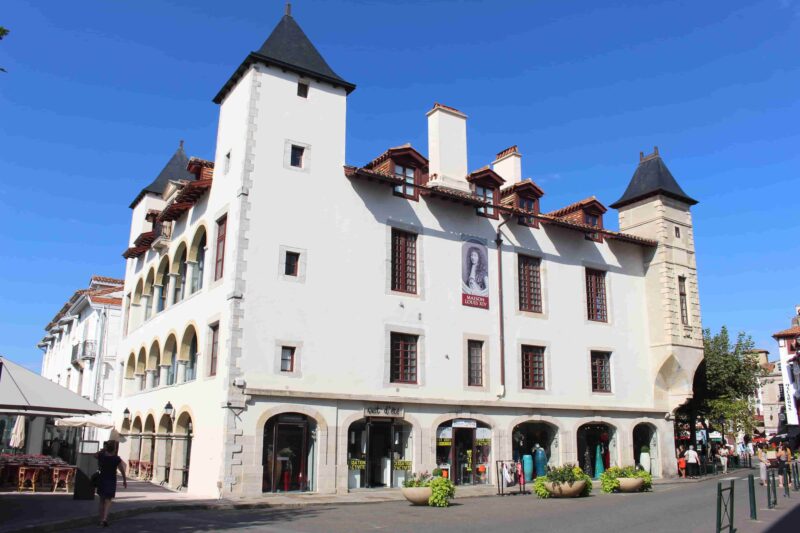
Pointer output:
x,y
289,454
475,363
463,451
597,448
287,358
596,295
533,367
407,189
682,295
404,261
530,284
601,371
379,453
403,358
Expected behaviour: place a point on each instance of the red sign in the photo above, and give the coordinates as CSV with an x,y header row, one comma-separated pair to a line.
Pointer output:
x,y
472,300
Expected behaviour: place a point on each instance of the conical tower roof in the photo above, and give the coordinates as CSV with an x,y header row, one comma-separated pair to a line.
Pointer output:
x,y
288,47
175,169
652,177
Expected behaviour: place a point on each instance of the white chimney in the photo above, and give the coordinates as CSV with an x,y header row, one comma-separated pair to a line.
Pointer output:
x,y
447,147
509,165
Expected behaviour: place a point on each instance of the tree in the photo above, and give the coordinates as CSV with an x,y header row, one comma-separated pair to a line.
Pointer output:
x,y
3,33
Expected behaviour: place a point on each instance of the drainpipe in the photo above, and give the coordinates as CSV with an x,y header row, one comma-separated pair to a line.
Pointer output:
x,y
98,359
499,242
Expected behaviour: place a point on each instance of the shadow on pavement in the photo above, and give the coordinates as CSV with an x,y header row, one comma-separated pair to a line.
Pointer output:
x,y
790,522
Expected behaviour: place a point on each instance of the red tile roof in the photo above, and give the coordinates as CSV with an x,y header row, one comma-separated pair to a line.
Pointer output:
x,y
582,204
104,279
794,331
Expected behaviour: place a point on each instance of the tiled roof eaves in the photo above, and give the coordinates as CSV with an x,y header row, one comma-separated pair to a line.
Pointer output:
x,y
106,301
794,331
105,279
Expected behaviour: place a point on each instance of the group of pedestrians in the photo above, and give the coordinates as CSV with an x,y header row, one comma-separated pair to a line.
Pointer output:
x,y
779,458
688,462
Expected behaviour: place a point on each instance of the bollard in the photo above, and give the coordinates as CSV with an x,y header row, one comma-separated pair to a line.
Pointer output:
x,y
751,488
786,493
772,490
725,508
796,475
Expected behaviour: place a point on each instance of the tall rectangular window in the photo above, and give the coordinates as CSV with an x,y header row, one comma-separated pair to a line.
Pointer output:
x,y
291,267
682,294
403,358
404,261
601,372
407,188
287,358
532,367
530,284
596,295
781,393
475,363
212,367
219,263
487,195
297,156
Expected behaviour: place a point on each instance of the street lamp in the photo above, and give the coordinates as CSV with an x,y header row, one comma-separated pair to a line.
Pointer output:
x,y
126,415
168,409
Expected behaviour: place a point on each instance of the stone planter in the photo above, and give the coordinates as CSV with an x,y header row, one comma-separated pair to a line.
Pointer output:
x,y
417,495
565,490
630,484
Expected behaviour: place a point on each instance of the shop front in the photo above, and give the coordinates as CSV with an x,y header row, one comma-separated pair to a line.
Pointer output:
x,y
288,455
463,451
597,448
379,449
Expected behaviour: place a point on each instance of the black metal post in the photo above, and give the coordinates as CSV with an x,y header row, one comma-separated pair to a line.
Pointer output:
x,y
786,491
751,488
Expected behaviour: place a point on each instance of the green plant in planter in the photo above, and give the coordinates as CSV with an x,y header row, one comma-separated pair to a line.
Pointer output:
x,y
417,480
609,480
568,474
437,472
442,490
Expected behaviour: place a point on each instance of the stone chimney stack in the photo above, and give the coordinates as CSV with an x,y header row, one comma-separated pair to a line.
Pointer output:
x,y
447,147
509,165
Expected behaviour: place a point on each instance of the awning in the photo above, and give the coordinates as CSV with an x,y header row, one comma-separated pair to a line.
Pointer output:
x,y
100,421
23,392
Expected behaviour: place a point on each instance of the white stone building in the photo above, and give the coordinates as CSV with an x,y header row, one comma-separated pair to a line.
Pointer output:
x,y
768,400
293,323
80,346
789,367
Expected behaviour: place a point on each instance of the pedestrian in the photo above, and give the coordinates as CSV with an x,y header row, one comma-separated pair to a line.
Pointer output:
x,y
723,458
681,462
108,463
691,461
762,464
783,459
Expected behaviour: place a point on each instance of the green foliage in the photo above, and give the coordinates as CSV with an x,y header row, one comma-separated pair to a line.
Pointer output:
x,y
418,480
609,480
645,449
437,472
568,474
442,490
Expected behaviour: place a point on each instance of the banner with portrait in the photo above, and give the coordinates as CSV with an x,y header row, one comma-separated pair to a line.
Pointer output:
x,y
474,274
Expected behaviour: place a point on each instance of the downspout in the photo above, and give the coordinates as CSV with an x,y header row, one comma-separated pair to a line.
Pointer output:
x,y
98,360
499,242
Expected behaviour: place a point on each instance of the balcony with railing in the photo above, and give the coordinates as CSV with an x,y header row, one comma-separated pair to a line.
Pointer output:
x,y
163,231
87,350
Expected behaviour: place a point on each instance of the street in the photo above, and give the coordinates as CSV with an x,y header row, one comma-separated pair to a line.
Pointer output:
x,y
684,508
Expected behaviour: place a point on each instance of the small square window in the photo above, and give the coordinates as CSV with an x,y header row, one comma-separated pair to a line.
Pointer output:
x,y
297,156
677,232
227,163
302,90
287,358
292,263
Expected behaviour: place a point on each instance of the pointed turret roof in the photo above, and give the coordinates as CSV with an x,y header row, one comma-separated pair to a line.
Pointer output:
x,y
652,177
289,48
175,169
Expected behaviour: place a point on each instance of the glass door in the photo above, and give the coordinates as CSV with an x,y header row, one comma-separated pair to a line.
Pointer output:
x,y
289,461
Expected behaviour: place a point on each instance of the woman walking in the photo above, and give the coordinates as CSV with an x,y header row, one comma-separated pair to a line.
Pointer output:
x,y
108,462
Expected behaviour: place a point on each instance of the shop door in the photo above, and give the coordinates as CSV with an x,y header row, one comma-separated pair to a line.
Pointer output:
x,y
379,454
289,458
464,443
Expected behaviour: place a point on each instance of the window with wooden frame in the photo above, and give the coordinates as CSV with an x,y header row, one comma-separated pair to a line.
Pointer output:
x,y
601,371
487,194
682,296
212,365
532,367
287,358
291,265
596,295
530,284
404,261
219,260
593,220
407,189
403,358
527,204
475,363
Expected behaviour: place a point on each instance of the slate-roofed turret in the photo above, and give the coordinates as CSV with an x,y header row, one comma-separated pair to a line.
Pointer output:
x,y
652,177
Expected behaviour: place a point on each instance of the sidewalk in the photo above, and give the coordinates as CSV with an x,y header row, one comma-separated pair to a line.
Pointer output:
x,y
45,511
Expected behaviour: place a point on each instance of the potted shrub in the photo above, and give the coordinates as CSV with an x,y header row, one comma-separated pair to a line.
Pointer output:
x,y
424,489
567,481
625,479
644,458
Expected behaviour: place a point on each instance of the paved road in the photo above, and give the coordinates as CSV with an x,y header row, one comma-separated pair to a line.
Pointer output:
x,y
682,508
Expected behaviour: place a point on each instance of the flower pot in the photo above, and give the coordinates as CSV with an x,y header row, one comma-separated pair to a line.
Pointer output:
x,y
565,490
417,495
630,484
644,460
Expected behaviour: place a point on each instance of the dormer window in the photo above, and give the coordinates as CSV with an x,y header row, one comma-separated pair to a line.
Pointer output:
x,y
527,204
488,196
591,220
407,189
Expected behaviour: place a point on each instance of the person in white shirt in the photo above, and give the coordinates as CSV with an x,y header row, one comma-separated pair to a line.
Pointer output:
x,y
692,459
723,458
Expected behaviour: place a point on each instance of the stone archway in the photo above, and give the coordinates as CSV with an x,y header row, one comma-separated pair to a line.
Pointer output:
x,y
646,451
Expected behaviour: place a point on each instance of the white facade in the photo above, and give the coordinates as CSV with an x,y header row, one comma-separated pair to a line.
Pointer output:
x,y
789,349
80,347
336,313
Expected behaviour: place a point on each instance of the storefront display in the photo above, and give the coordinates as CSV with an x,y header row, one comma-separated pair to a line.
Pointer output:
x,y
379,453
596,448
289,444
463,451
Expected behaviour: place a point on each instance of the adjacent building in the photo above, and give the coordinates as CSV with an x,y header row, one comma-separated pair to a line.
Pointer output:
x,y
789,367
769,397
296,323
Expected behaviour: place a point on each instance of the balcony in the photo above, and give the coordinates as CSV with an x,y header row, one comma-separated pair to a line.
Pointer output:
x,y
87,350
163,231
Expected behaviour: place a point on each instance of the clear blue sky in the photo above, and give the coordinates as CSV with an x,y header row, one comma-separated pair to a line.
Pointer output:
x,y
98,94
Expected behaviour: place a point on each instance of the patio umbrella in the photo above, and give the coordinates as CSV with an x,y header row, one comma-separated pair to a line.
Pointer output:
x,y
100,421
18,433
